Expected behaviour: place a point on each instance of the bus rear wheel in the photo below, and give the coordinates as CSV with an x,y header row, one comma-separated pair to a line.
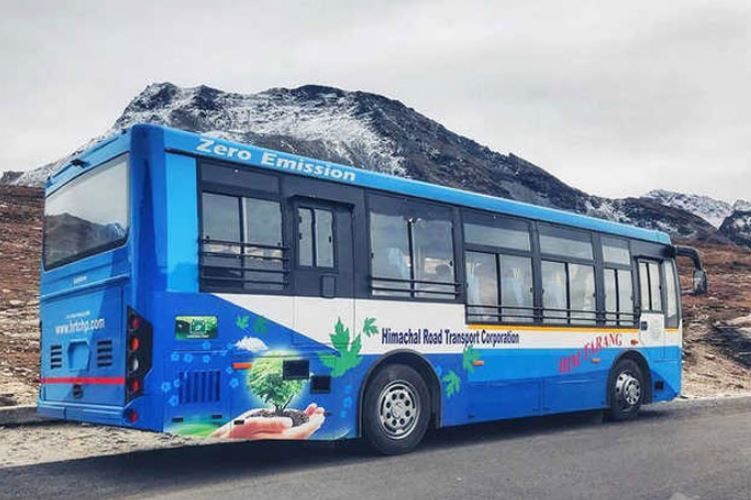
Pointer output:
x,y
626,391
396,410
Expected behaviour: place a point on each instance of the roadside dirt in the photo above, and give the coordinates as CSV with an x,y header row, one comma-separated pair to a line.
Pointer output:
x,y
33,444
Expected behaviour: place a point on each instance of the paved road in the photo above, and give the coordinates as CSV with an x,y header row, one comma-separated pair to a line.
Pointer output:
x,y
675,451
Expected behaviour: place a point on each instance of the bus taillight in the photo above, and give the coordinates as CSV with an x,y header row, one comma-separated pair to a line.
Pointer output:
x,y
138,354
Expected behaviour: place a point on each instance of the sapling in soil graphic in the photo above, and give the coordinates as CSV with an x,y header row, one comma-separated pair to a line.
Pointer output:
x,y
265,380
278,421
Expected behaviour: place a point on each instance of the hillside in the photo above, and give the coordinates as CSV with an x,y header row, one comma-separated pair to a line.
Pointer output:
x,y
381,134
714,341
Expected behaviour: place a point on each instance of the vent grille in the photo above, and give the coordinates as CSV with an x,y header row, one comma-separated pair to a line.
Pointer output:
x,y
199,387
104,353
56,356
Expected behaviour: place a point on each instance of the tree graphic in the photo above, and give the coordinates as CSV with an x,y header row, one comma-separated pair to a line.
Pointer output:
x,y
266,381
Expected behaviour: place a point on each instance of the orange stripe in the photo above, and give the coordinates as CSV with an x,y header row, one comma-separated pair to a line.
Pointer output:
x,y
579,329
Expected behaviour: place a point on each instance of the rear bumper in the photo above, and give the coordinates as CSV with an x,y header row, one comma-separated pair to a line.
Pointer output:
x,y
107,415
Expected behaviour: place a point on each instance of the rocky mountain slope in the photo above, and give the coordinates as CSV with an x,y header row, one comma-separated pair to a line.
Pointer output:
x,y
377,133
737,228
710,209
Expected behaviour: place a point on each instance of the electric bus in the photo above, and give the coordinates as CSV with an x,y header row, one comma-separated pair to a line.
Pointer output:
x,y
202,287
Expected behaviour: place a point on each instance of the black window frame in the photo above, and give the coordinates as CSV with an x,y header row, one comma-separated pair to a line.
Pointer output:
x,y
630,269
388,203
486,218
661,294
204,185
313,207
671,322
595,263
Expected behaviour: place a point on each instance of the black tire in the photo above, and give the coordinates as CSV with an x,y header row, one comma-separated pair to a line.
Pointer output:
x,y
401,389
626,391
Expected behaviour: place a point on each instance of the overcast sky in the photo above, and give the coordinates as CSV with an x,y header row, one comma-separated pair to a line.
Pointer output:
x,y
615,98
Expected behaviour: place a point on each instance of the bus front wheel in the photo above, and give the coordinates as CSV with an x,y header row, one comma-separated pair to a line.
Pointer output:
x,y
396,409
626,391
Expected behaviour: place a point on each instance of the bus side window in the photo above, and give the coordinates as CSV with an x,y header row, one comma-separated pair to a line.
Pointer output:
x,y
671,291
649,284
482,287
619,293
569,287
315,245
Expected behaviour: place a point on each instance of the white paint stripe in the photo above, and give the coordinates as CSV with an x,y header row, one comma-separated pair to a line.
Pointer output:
x,y
316,317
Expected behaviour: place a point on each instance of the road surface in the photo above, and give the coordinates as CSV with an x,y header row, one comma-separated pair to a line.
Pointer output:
x,y
698,449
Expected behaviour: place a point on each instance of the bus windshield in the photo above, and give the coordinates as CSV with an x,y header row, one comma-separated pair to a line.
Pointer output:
x,y
88,215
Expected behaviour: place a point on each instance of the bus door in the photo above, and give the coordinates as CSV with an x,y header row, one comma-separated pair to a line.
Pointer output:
x,y
323,268
652,318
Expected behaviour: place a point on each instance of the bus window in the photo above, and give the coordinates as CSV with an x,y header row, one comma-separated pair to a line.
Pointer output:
x,y
262,244
497,232
616,251
234,226
555,301
619,301
566,243
517,289
649,283
389,240
582,294
433,258
88,215
568,293
482,287
305,236
413,250
324,223
671,291
221,217
315,237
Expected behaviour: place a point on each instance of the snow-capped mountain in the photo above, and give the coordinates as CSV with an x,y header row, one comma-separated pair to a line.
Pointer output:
x,y
737,227
377,133
712,210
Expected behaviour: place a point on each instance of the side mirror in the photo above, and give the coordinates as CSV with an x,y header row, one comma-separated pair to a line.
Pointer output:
x,y
700,282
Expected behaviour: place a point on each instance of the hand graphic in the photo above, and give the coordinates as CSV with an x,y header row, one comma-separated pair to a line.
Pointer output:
x,y
255,427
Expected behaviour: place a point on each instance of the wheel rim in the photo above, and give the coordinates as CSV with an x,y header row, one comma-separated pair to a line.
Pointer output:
x,y
398,409
627,390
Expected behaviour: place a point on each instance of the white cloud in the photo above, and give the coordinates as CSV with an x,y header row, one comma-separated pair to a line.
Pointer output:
x,y
252,344
614,98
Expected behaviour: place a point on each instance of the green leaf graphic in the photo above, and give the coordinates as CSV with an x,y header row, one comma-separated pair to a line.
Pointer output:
x,y
260,325
453,383
348,354
242,322
469,356
369,327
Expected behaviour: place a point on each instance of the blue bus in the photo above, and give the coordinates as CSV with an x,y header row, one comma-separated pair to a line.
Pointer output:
x,y
202,287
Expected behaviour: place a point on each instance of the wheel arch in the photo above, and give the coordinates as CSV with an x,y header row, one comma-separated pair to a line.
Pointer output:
x,y
640,360
420,364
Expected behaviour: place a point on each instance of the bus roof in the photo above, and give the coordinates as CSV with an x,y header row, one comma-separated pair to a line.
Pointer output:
x,y
175,140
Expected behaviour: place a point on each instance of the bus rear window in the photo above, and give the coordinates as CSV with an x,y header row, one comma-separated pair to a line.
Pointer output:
x,y
88,215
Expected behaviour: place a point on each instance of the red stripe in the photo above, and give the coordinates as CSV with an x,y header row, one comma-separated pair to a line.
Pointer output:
x,y
84,380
